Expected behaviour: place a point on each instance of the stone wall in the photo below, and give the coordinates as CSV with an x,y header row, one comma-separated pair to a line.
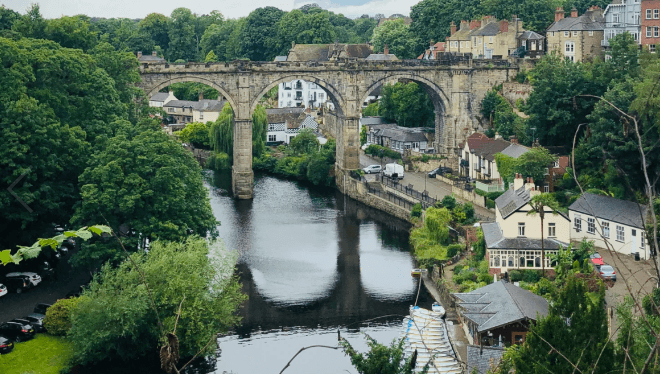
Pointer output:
x,y
512,91
330,123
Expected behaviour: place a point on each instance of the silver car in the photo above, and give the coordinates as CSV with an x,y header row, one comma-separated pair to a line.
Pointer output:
x,y
372,169
607,272
34,277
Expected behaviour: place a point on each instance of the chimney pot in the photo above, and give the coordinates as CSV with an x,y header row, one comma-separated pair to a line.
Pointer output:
x,y
574,13
453,28
154,53
559,14
386,50
139,54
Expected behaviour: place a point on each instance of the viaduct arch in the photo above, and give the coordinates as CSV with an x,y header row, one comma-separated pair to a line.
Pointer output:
x,y
456,88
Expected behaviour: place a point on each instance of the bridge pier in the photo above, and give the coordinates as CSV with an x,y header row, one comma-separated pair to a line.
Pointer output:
x,y
242,176
348,145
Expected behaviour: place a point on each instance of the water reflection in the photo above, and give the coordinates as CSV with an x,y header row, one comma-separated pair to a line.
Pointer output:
x,y
310,261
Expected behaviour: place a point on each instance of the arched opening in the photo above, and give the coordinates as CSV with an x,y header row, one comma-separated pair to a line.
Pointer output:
x,y
425,113
218,93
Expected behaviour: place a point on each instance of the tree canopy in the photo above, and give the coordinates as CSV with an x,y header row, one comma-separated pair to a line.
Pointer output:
x,y
407,104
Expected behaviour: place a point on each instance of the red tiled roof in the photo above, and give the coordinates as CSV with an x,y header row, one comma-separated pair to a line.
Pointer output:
x,y
477,140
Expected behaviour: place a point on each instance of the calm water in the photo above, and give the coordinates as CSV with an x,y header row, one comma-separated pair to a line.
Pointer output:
x,y
312,262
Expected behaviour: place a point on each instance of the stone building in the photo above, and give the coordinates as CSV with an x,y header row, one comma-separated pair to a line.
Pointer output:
x,y
577,38
459,41
622,16
487,37
650,24
432,52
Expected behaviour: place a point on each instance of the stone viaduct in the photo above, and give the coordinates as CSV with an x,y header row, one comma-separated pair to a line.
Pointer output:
x,y
456,86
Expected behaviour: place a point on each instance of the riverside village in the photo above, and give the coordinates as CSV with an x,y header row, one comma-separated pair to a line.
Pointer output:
x,y
368,187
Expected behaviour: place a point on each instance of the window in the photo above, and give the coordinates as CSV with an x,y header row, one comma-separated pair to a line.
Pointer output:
x,y
652,48
511,262
546,171
656,32
606,229
201,115
569,47
648,31
546,188
591,225
479,40
591,32
648,14
490,39
656,13
577,223
321,96
575,33
271,127
496,261
552,33
272,138
641,243
615,18
571,58
552,232
636,18
565,33
474,41
620,236
461,44
171,110
521,228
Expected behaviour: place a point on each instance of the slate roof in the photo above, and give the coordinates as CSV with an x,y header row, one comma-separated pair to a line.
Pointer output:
x,y
404,134
181,104
504,303
160,96
280,58
515,150
207,105
476,140
490,148
495,240
370,121
591,20
530,35
483,359
512,200
491,29
323,52
381,57
611,209
307,123
293,117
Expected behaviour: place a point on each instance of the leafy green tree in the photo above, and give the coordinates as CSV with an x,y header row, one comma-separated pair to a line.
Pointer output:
x,y
538,204
259,131
7,18
221,132
407,104
398,37
533,163
222,39
363,135
122,68
58,316
145,186
157,27
304,143
449,202
183,44
380,359
431,18
127,311
197,134
575,330
321,164
301,28
31,24
71,32
537,15
211,57
371,110
363,29
191,90
258,40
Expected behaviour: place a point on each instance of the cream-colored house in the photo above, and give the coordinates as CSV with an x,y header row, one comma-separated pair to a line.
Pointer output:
x,y
485,38
603,218
577,38
477,159
513,241
207,110
161,98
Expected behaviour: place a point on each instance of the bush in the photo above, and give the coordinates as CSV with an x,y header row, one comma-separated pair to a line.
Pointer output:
x,y
218,161
515,275
197,134
417,211
58,316
266,162
454,249
375,150
449,202
490,204
531,276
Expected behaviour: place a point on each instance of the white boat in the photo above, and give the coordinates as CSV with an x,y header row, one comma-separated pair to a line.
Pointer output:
x,y
436,307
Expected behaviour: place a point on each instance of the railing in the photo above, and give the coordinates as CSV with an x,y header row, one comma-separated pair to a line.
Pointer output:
x,y
423,197
391,198
490,187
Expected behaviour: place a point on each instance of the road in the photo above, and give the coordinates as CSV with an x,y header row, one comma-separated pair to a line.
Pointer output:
x,y
420,181
15,305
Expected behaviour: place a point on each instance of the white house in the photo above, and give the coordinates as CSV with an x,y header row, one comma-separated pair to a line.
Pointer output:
x,y
301,93
513,241
161,98
285,123
396,137
207,110
477,158
603,218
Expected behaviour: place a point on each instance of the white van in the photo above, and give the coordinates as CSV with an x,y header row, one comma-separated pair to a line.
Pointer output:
x,y
393,169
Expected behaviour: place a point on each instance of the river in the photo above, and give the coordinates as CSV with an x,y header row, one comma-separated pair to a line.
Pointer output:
x,y
312,262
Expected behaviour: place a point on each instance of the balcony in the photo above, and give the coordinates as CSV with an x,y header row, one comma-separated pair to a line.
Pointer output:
x,y
490,187
604,43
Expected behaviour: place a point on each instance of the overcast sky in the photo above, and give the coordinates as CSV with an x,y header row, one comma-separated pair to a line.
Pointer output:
x,y
230,8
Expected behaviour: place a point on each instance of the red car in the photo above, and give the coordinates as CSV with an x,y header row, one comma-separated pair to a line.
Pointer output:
x,y
596,260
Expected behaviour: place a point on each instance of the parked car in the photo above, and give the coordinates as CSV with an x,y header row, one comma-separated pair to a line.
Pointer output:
x,y
18,284
596,260
34,278
372,169
41,309
6,345
37,321
3,290
17,331
440,171
607,272
393,171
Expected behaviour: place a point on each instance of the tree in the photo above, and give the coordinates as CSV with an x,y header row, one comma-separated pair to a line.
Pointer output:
x,y
371,110
301,28
31,24
431,18
534,163
191,90
126,311
363,135
397,36
258,40
7,18
183,44
145,186
406,104
221,39
538,204
537,15
380,359
259,131
71,32
157,27
211,57
221,132
304,143
197,134
122,68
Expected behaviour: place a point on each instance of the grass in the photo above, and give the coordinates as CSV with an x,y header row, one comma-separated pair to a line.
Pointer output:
x,y
45,354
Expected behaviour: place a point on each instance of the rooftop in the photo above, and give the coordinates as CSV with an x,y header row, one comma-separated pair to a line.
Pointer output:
x,y
591,20
515,150
160,96
495,240
381,57
512,200
483,358
611,209
328,52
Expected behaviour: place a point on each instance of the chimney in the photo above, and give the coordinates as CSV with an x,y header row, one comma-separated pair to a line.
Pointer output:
x,y
574,13
473,24
517,182
453,28
464,25
534,191
513,139
529,186
386,50
139,54
559,14
477,23
154,53
201,95
504,26
498,136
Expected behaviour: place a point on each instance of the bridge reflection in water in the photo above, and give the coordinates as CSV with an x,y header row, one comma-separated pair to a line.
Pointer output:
x,y
311,261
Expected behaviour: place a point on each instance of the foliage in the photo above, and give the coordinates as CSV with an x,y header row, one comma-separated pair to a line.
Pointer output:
x,y
181,33
397,36
211,57
218,161
157,27
304,143
530,164
431,18
258,40
146,186
407,104
190,91
449,202
197,134
380,359
363,135
259,131
416,210
380,151
45,354
115,316
304,28
499,113
474,275
221,132
58,316
463,213
429,241
454,249
371,110
479,246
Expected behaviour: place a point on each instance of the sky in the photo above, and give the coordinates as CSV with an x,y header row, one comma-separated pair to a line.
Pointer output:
x,y
229,8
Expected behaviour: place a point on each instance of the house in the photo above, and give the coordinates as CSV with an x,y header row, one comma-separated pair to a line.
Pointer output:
x,y
499,313
432,52
152,58
650,24
300,93
477,158
531,43
486,38
180,111
206,110
622,16
374,126
373,97
161,98
459,41
620,222
398,138
513,241
577,38
385,56
185,111
483,360
285,123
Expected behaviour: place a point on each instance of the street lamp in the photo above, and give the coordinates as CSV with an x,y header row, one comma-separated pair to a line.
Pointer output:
x,y
533,132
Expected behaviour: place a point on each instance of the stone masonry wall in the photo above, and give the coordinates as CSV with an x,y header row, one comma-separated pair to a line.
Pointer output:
x,y
512,91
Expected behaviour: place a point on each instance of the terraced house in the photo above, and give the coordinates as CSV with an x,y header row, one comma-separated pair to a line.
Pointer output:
x,y
577,38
